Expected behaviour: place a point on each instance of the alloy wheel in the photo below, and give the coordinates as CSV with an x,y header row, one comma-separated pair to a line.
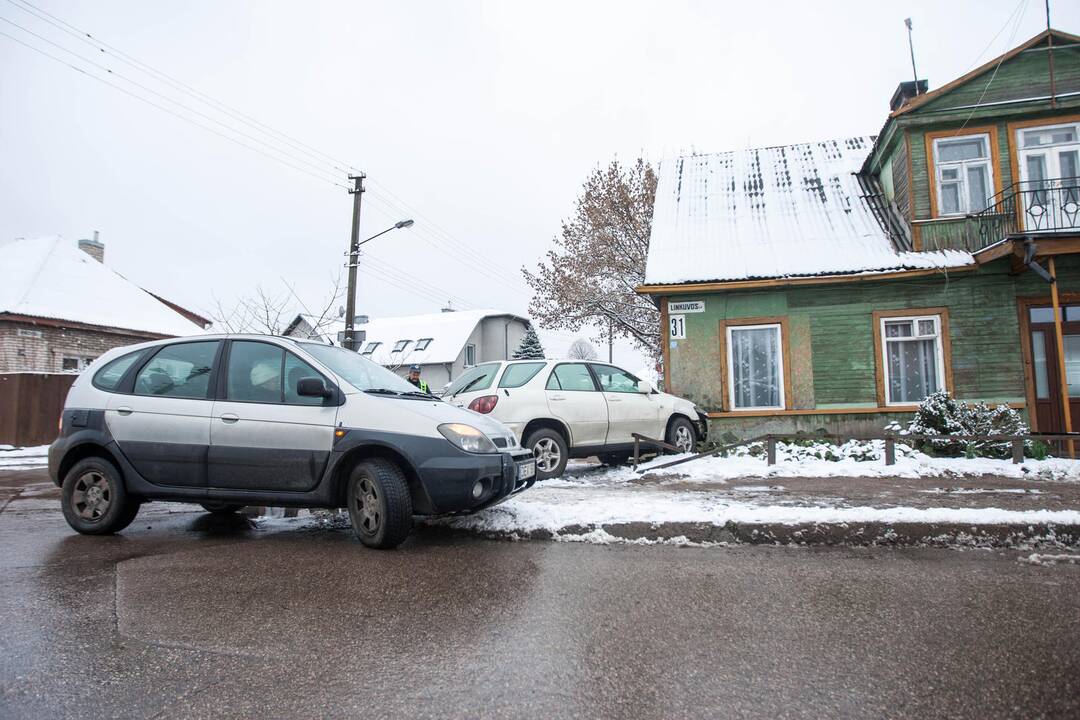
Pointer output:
x,y
684,439
91,495
547,454
367,506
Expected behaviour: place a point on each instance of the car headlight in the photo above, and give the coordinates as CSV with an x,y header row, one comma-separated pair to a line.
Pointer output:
x,y
467,438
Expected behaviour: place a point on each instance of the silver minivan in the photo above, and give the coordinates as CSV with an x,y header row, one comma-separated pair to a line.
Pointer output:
x,y
232,420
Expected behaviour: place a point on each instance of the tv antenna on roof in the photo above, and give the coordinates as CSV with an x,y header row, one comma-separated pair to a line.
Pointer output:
x,y
911,47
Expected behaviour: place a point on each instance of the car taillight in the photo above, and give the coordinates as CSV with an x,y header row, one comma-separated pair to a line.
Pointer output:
x,y
484,404
60,424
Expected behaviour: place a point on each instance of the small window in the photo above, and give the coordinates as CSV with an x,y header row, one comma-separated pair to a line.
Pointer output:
x,y
912,357
477,378
755,367
69,364
470,355
371,347
518,374
423,343
180,371
1042,377
573,377
614,380
400,345
295,371
964,174
1050,136
255,372
109,377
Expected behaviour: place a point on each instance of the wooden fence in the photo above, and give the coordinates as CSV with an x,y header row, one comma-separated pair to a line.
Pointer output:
x,y
1017,443
30,405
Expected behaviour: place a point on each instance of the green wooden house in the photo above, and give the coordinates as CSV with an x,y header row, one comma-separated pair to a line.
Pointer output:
x,y
833,285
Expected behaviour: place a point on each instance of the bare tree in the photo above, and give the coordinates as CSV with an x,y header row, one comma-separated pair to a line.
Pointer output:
x,y
271,312
590,275
581,349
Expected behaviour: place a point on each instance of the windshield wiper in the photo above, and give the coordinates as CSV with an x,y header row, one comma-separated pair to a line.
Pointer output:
x,y
384,391
418,393
468,385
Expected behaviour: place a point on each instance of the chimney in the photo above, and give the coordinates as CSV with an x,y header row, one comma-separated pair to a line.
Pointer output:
x,y
94,248
906,91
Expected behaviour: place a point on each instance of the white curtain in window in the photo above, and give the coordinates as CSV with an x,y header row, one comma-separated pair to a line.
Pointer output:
x,y
912,370
755,367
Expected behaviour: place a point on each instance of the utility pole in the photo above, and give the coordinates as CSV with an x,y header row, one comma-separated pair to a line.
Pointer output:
x,y
354,257
609,341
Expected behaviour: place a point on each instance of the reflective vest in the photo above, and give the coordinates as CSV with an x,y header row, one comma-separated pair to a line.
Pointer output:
x,y
423,386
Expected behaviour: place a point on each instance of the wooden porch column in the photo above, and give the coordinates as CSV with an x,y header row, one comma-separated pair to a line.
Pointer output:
x,y
1060,343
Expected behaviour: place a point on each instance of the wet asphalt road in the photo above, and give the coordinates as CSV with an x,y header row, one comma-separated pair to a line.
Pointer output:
x,y
185,615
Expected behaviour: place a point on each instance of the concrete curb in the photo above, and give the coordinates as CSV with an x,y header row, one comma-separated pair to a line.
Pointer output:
x,y
869,533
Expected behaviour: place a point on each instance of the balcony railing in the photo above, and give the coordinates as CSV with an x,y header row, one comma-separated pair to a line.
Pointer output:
x,y
1033,207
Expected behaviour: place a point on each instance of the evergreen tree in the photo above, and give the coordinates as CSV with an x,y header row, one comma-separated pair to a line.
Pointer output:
x,y
530,347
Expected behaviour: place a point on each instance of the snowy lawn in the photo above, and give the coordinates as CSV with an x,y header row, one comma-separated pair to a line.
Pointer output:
x,y
707,492
24,457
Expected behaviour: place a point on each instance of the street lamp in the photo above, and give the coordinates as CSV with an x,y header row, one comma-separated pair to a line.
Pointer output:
x,y
354,250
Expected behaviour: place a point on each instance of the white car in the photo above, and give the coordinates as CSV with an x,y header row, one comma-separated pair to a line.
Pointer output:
x,y
571,408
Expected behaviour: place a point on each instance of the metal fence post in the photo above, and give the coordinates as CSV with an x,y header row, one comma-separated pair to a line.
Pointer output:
x,y
770,450
1018,451
890,451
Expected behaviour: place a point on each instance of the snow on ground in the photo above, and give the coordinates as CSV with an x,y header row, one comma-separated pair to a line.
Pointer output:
x,y
24,457
799,461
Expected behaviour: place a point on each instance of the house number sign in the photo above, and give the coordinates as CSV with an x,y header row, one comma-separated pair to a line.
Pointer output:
x,y
678,327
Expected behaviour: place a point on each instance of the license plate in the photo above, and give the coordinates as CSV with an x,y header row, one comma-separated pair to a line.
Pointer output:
x,y
526,470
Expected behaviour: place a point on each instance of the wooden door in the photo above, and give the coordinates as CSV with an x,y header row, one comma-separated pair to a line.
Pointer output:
x,y
1044,358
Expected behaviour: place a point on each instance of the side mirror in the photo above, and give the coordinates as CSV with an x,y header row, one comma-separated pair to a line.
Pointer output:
x,y
312,387
644,387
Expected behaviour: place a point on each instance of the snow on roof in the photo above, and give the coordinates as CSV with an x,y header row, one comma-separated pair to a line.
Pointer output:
x,y
792,210
51,278
447,331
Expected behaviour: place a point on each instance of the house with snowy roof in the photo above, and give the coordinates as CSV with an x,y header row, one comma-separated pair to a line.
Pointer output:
x,y
834,285
61,307
443,344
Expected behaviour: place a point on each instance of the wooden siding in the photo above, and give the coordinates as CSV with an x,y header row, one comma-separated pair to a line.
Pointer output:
x,y
900,178
1024,76
831,335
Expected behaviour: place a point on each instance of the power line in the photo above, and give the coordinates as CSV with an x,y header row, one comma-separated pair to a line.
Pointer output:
x,y
171,112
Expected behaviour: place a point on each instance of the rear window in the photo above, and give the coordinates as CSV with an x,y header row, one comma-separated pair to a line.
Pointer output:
x,y
109,377
475,378
518,374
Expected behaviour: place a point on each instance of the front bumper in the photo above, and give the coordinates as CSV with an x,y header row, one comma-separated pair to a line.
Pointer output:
x,y
449,479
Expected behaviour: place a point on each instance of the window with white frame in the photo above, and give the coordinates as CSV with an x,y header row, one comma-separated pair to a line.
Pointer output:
x,y
423,343
371,347
470,355
965,175
400,345
912,357
755,367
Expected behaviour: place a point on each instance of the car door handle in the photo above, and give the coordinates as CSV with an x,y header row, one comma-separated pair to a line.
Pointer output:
x,y
123,411
556,398
614,399
229,418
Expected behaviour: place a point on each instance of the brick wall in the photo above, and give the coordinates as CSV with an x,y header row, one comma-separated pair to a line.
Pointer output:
x,y
26,353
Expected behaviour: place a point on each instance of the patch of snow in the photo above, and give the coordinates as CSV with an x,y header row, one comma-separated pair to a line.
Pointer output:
x,y
52,278
24,457
773,212
1048,560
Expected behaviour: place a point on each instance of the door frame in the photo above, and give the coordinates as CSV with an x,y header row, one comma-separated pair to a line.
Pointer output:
x,y
1024,303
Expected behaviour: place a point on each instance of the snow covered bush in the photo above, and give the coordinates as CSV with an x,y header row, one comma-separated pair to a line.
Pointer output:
x,y
811,449
940,414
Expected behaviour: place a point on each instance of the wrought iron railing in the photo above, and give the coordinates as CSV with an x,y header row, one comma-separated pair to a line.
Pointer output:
x,y
1031,207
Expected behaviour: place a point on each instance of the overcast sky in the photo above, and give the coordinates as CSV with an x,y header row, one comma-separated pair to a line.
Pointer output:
x,y
483,118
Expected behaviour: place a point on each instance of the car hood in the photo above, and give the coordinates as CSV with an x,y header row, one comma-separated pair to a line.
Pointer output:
x,y
428,415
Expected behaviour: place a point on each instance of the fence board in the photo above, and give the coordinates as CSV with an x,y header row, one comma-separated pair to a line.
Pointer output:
x,y
30,404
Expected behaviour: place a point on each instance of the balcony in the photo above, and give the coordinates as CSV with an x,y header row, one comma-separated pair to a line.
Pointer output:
x,y
1038,207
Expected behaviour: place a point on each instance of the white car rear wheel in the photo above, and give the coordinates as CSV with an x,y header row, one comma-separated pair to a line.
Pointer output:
x,y
550,451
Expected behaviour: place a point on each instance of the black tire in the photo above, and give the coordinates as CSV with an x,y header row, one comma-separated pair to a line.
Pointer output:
x,y
681,433
551,453
221,508
94,499
614,459
380,506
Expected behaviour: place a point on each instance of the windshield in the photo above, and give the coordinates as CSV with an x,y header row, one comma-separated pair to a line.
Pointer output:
x,y
476,378
358,371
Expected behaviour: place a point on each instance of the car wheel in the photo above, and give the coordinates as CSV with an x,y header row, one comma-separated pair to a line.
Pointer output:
x,y
221,508
94,499
681,434
380,507
614,459
550,451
